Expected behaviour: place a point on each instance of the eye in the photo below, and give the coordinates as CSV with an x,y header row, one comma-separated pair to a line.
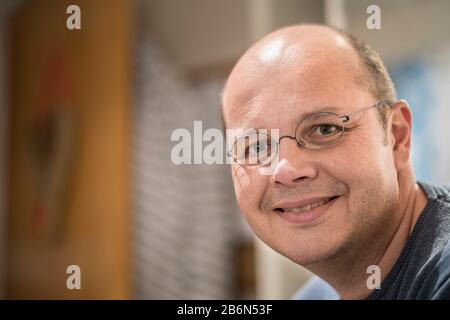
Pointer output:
x,y
257,148
326,130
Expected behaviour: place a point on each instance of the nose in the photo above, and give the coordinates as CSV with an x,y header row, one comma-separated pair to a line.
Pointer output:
x,y
294,165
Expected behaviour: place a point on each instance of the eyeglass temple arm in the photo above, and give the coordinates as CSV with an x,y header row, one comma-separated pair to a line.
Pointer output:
x,y
346,117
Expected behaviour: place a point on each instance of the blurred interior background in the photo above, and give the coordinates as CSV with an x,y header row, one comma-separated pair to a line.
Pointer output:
x,y
85,122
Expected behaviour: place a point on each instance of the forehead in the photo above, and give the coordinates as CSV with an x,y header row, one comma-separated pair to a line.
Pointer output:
x,y
280,79
280,99
288,75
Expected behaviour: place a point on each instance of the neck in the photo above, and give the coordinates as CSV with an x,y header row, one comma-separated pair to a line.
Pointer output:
x,y
348,273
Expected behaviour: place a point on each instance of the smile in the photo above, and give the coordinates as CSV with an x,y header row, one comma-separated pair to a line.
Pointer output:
x,y
306,207
304,211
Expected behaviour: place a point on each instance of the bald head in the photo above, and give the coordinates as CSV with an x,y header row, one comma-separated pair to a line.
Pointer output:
x,y
308,55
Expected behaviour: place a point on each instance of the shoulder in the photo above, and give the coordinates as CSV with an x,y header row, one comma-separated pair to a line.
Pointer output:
x,y
431,257
436,282
442,274
441,193
437,211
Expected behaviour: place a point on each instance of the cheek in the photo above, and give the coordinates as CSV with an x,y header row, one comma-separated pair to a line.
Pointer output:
x,y
369,173
249,188
365,156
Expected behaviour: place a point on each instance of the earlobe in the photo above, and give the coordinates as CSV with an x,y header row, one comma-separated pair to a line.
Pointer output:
x,y
400,127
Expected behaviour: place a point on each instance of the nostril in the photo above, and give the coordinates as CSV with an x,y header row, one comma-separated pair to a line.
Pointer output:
x,y
300,179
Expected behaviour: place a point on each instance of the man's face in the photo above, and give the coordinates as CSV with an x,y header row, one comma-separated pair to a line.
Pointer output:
x,y
357,174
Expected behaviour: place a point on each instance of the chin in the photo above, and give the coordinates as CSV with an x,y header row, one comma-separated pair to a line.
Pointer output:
x,y
306,242
307,248
308,257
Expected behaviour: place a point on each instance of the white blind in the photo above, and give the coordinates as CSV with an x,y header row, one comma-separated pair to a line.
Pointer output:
x,y
185,218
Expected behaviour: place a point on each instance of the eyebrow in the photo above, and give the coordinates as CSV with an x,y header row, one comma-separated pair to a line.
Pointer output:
x,y
296,120
331,109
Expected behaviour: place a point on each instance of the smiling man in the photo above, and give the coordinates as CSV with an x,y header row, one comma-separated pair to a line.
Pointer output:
x,y
341,195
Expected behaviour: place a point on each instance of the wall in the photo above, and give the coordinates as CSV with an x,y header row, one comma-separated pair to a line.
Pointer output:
x,y
70,206
198,32
414,42
408,27
3,132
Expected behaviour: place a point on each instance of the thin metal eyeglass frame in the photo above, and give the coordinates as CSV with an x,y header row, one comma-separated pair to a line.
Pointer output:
x,y
345,118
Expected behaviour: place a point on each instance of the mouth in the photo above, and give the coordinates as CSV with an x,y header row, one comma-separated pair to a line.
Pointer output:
x,y
306,207
305,211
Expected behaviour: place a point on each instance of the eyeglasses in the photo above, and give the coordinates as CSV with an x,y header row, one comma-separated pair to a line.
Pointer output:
x,y
316,131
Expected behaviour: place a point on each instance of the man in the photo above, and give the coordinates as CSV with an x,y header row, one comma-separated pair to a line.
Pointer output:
x,y
341,198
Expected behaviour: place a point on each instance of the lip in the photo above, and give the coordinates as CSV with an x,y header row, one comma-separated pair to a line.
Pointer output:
x,y
304,217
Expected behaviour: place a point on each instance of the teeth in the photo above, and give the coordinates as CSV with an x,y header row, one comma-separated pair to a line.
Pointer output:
x,y
308,206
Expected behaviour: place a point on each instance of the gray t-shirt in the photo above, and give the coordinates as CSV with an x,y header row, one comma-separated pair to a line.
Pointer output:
x,y
422,271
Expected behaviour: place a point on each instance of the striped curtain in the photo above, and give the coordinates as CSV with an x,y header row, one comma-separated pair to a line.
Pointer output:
x,y
185,218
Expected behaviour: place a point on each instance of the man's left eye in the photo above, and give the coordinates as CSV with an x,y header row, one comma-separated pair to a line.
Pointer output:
x,y
326,129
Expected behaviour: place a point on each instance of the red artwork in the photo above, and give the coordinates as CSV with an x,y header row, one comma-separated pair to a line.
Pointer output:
x,y
51,147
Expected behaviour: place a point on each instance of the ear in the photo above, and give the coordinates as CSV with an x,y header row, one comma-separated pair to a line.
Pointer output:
x,y
400,122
